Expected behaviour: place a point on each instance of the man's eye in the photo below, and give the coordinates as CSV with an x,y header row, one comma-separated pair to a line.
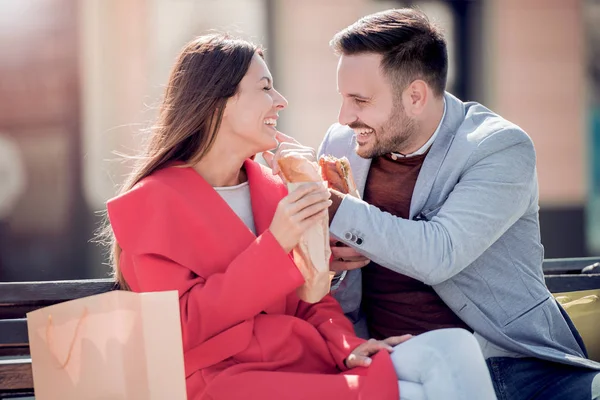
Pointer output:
x,y
267,88
360,101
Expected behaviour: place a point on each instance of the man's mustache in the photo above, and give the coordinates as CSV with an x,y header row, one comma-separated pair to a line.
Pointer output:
x,y
359,125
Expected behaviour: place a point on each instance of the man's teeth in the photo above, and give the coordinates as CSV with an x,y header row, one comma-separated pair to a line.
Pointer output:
x,y
271,121
363,131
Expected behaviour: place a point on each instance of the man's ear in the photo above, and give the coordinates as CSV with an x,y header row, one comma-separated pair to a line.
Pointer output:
x,y
415,97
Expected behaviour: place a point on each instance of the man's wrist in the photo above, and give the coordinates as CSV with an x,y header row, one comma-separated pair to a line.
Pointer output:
x,y
336,200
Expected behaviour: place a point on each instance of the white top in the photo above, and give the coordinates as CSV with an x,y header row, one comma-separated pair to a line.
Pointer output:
x,y
427,145
238,198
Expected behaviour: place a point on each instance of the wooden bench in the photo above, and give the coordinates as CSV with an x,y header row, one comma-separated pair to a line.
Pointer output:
x,y
16,299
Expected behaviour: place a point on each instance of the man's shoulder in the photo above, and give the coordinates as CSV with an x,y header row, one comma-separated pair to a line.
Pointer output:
x,y
480,124
339,133
339,140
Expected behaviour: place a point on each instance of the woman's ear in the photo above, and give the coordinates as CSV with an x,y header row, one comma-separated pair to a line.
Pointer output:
x,y
228,106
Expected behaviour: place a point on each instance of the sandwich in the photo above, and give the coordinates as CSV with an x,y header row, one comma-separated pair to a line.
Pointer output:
x,y
297,169
338,174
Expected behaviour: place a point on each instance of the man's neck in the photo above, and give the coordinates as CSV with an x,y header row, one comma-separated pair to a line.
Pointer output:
x,y
427,126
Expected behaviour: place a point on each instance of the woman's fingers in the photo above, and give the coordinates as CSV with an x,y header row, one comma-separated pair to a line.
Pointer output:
x,y
396,340
303,190
356,360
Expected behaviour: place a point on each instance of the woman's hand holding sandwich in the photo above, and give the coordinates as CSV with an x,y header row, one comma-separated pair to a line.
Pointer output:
x,y
298,211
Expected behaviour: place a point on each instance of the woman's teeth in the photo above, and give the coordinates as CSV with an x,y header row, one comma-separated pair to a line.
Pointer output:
x,y
271,122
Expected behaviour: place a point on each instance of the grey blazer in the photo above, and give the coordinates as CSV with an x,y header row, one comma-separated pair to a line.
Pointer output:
x,y
473,233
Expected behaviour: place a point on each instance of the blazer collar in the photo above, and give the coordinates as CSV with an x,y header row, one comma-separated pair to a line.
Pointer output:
x,y
433,162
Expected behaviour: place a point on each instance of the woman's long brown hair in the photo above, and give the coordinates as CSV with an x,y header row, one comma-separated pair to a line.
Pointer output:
x,y
207,73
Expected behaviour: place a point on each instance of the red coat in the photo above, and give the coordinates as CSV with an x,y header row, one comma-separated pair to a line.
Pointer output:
x,y
245,332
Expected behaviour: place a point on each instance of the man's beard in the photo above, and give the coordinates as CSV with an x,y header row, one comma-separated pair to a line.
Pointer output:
x,y
393,136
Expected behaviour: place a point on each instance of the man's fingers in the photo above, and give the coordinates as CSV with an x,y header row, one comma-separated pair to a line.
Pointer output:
x,y
396,340
347,253
287,148
283,138
346,259
287,144
339,266
271,160
268,157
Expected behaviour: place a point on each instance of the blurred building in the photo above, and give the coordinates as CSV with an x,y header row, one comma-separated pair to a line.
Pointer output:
x,y
80,79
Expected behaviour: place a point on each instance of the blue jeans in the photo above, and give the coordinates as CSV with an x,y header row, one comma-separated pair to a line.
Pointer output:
x,y
532,378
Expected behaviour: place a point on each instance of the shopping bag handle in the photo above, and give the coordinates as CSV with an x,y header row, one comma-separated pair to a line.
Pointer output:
x,y
50,342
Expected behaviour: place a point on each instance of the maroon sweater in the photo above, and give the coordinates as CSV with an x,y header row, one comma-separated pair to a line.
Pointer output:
x,y
395,304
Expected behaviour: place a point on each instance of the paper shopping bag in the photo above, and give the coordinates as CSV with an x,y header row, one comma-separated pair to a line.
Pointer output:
x,y
116,345
311,255
584,309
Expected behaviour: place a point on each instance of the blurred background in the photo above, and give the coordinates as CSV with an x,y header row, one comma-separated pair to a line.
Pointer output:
x,y
80,79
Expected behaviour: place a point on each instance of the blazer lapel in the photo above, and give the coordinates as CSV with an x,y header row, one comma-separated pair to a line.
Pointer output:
x,y
360,167
431,166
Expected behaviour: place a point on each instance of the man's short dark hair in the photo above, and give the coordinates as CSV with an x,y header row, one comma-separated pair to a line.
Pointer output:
x,y
412,47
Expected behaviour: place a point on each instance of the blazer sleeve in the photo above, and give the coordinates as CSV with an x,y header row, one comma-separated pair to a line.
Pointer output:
x,y
494,191
144,226
327,317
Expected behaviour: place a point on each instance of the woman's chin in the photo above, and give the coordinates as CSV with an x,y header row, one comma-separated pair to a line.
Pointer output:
x,y
264,145
271,143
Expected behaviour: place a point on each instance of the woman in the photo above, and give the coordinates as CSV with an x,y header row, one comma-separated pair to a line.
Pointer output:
x,y
200,216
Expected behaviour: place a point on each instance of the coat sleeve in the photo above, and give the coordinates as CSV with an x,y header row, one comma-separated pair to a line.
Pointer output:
x,y
260,275
328,318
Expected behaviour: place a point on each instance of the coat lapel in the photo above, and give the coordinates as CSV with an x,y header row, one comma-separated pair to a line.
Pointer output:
x,y
433,162
227,230
229,235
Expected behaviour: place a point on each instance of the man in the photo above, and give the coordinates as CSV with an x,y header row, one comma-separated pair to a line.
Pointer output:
x,y
448,215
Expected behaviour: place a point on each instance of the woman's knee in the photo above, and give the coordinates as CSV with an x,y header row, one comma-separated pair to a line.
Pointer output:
x,y
429,348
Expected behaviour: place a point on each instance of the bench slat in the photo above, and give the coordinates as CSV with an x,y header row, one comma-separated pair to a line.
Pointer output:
x,y
13,332
571,283
19,298
557,266
15,374
12,293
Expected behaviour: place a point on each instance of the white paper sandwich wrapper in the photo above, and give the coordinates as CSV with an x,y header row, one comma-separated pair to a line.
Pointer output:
x,y
312,255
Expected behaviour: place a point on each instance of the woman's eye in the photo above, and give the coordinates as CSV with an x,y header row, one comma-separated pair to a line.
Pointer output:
x,y
267,88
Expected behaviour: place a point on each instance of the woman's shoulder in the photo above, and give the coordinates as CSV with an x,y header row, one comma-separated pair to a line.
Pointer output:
x,y
161,183
153,205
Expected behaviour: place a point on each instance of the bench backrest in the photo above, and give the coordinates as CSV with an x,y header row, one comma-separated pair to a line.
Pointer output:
x,y
18,298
